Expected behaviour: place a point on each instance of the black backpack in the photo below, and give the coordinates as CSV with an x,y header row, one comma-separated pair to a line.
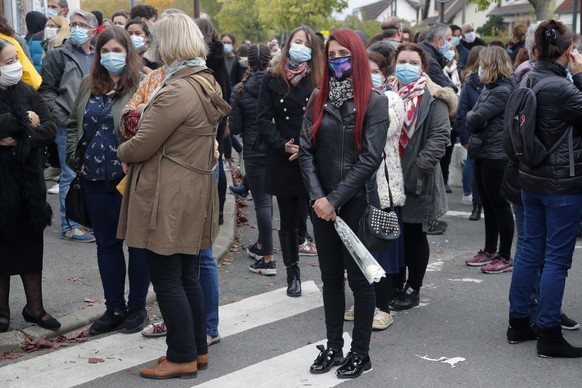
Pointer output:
x,y
520,124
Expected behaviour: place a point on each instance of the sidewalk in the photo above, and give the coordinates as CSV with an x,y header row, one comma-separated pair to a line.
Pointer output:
x,y
76,317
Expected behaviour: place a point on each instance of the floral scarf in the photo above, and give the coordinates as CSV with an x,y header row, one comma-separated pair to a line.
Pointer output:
x,y
411,95
296,72
340,91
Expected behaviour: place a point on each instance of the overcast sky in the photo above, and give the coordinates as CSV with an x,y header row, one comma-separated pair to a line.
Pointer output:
x,y
354,4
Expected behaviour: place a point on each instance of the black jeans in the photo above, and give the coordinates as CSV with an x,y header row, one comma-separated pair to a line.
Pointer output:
x,y
333,259
181,303
498,216
416,255
255,168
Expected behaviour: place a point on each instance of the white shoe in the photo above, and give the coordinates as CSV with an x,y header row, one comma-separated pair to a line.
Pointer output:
x,y
54,189
382,320
349,314
467,200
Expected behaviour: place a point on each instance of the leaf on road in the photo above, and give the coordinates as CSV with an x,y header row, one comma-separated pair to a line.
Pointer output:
x,y
32,345
95,360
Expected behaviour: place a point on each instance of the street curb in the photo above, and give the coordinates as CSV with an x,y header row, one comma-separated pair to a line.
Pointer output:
x,y
12,340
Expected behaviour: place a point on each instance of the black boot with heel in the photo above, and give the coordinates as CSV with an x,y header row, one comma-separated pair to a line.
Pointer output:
x,y
290,252
520,330
551,343
476,213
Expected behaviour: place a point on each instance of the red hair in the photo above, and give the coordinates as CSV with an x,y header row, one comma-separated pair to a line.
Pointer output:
x,y
361,81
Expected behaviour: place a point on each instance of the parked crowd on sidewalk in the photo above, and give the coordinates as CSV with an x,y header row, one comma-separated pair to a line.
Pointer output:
x,y
142,111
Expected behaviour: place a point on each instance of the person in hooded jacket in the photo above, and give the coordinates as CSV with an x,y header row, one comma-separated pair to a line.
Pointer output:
x,y
35,22
485,121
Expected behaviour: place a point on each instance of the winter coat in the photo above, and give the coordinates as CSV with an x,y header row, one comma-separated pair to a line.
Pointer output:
x,y
243,116
559,107
515,50
463,56
170,203
423,180
477,42
29,73
61,76
36,52
393,163
215,62
331,165
75,127
436,65
485,120
286,107
237,71
469,96
23,207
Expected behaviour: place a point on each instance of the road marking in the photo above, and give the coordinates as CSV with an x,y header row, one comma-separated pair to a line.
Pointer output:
x,y
289,370
467,280
456,213
69,367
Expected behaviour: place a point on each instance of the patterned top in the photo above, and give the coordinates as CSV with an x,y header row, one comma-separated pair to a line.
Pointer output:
x,y
101,162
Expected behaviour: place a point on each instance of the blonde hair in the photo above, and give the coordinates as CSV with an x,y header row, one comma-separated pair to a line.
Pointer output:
x,y
64,32
495,65
179,38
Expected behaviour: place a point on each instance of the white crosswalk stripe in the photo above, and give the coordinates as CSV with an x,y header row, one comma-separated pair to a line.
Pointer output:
x,y
69,367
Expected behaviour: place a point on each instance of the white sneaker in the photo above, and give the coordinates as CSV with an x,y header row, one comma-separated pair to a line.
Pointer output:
x,y
54,189
382,320
349,314
467,200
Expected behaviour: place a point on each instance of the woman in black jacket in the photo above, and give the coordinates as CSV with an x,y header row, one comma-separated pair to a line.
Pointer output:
x,y
26,126
343,136
283,98
551,195
485,121
243,121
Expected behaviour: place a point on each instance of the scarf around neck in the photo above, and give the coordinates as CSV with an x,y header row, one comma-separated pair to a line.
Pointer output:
x,y
411,95
340,91
296,72
177,66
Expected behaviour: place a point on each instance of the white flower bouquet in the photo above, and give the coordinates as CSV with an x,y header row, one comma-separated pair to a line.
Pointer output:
x,y
363,258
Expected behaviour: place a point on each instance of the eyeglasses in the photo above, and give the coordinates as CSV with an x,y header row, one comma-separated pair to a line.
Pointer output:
x,y
80,25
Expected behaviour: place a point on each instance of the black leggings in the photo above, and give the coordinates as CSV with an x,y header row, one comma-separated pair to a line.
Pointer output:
x,y
416,255
499,223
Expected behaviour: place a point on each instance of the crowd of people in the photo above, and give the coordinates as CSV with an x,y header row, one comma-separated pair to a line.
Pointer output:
x,y
145,109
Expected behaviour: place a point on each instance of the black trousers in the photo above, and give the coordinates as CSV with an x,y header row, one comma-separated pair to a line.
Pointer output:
x,y
499,224
182,304
333,259
416,255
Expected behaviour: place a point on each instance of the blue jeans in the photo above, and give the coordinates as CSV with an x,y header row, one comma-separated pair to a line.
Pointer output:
x,y
468,176
103,203
550,227
208,276
67,175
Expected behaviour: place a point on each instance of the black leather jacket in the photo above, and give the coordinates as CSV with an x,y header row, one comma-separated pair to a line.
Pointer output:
x,y
330,164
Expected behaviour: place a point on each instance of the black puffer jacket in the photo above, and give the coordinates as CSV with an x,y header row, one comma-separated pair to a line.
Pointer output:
x,y
485,121
331,165
243,116
559,107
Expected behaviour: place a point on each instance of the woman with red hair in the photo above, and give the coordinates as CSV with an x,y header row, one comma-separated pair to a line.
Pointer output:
x,y
343,135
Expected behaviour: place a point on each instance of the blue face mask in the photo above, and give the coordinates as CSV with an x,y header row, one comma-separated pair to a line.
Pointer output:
x,y
445,47
449,55
51,12
299,53
228,48
138,41
377,80
480,72
341,67
456,40
113,62
407,73
79,35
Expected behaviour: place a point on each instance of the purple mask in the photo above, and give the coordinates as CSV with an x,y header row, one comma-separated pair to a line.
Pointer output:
x,y
341,67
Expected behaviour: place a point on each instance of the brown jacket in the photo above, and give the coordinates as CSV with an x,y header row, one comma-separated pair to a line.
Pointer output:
x,y
170,203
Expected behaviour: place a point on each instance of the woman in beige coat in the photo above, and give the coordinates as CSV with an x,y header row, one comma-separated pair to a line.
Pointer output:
x,y
170,203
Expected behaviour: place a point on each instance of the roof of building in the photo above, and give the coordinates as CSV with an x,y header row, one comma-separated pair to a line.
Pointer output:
x,y
372,11
514,9
567,6
452,8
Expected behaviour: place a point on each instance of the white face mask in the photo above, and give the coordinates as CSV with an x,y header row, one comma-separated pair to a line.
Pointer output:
x,y
10,74
50,32
470,37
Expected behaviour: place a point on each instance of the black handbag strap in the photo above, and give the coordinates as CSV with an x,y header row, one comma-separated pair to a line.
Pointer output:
x,y
388,181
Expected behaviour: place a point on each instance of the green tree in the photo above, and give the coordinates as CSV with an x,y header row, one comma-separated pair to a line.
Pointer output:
x,y
288,14
241,18
493,27
541,7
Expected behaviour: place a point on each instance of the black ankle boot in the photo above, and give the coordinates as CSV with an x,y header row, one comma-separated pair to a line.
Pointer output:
x,y
353,366
326,360
290,252
520,330
407,299
476,214
551,343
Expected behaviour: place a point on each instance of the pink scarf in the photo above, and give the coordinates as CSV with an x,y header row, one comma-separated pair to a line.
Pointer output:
x,y
294,75
411,95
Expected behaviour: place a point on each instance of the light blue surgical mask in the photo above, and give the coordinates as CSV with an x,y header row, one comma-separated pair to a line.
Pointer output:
x,y
407,73
445,47
480,72
377,80
449,55
113,62
456,40
51,12
228,48
79,35
299,53
138,41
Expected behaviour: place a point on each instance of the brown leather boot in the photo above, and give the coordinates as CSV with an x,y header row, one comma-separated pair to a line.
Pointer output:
x,y
202,361
169,370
